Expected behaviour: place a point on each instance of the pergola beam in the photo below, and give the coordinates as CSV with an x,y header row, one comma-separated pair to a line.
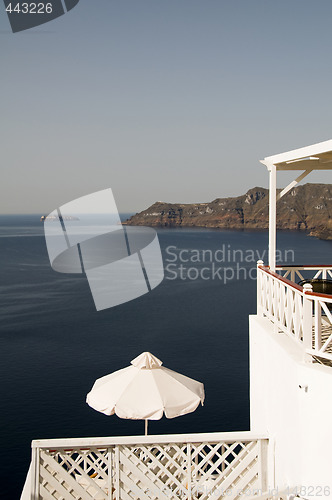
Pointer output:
x,y
297,154
293,183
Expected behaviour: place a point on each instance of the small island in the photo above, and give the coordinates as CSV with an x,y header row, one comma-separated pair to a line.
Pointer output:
x,y
307,207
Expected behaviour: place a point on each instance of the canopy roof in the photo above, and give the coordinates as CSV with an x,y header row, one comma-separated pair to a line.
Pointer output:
x,y
315,157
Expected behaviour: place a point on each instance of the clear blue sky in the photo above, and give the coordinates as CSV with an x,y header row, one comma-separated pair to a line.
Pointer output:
x,y
173,100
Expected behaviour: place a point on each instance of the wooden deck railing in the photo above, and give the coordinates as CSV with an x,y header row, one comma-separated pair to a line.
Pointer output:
x,y
297,311
198,466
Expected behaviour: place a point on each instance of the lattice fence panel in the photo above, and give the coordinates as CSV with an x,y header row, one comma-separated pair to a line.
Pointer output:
x,y
197,471
225,469
74,474
152,471
155,471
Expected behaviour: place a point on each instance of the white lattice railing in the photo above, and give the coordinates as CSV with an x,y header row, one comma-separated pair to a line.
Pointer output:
x,y
321,343
297,311
280,301
296,272
198,466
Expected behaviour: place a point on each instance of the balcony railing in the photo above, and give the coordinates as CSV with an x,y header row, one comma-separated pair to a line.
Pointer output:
x,y
198,466
293,272
297,311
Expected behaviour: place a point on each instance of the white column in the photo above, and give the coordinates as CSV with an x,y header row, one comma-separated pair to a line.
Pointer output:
x,y
272,217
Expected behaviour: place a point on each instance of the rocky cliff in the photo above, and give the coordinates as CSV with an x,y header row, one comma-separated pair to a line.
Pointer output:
x,y
307,207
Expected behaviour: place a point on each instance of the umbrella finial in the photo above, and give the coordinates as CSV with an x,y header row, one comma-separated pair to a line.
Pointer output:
x,y
146,360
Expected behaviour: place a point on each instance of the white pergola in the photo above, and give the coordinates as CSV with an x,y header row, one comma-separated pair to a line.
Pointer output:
x,y
315,157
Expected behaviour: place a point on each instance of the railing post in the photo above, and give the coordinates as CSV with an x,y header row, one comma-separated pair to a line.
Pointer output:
x,y
35,473
110,474
259,289
263,464
117,468
318,325
189,478
307,321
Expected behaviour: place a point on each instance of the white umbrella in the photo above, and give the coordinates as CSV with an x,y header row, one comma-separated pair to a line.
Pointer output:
x,y
145,390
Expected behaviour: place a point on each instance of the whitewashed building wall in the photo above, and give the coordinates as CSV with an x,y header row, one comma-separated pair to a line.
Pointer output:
x,y
297,419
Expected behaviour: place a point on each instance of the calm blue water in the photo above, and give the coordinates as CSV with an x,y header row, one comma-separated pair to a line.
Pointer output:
x,y
54,344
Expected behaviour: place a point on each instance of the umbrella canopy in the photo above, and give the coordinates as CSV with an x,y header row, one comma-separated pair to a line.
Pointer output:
x,y
145,390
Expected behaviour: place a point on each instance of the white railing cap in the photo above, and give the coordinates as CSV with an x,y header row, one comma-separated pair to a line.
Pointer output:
x,y
135,440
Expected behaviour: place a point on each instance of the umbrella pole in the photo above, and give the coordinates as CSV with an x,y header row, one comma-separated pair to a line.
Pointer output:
x,y
146,426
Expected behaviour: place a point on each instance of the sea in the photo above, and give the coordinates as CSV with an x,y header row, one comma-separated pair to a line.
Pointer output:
x,y
54,344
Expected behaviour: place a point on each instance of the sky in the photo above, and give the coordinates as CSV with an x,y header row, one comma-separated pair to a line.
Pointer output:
x,y
168,100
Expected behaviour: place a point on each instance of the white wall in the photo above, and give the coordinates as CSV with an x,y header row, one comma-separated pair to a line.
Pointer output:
x,y
298,421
